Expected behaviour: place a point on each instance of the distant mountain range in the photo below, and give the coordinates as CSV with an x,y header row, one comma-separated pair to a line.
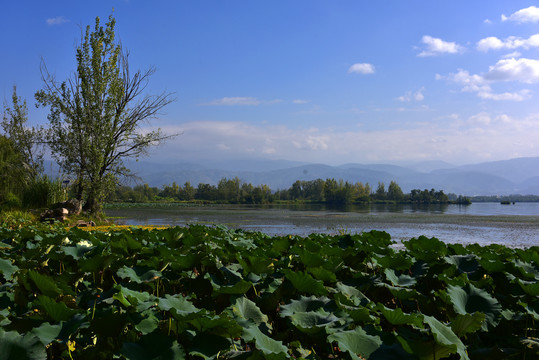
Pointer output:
x,y
515,176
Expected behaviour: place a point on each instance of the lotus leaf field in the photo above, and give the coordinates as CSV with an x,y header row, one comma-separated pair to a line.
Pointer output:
x,y
202,292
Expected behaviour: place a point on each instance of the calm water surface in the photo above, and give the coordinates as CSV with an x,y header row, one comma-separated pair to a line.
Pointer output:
x,y
484,223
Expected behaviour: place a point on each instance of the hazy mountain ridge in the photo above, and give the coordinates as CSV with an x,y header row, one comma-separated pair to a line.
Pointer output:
x,y
516,176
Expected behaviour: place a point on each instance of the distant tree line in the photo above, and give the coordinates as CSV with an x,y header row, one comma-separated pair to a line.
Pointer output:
x,y
329,191
506,198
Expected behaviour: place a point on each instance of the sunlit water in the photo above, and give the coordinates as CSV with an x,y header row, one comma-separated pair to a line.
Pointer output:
x,y
483,223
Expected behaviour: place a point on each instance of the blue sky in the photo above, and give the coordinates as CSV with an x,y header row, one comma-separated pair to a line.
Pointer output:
x,y
317,81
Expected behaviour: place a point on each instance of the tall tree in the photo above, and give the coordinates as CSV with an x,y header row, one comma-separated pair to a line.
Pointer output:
x,y
11,173
394,192
26,140
96,115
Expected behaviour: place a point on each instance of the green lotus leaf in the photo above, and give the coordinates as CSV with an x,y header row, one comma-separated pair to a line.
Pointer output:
x,y
7,269
95,263
241,287
305,283
492,265
172,234
154,346
186,261
359,314
320,273
530,287
398,317
425,350
45,284
352,293
221,325
47,332
532,309
427,249
142,300
399,261
310,259
138,274
401,293
264,343
76,252
240,242
121,298
356,342
444,336
148,324
314,321
469,299
399,280
464,324
57,311
305,304
280,244
465,263
256,264
527,269
176,304
208,346
14,346
246,309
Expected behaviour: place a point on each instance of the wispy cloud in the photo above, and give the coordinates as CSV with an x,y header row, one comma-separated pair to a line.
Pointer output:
x,y
510,96
362,68
241,101
436,46
477,137
512,42
521,70
529,14
514,54
234,101
409,96
300,101
57,20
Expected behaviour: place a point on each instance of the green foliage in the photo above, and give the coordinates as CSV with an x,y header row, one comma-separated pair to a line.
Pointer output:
x,y
95,116
42,192
27,141
211,292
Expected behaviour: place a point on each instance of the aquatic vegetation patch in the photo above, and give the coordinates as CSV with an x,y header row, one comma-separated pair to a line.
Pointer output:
x,y
202,292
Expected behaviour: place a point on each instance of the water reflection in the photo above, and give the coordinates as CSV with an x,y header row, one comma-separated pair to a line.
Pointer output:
x,y
483,209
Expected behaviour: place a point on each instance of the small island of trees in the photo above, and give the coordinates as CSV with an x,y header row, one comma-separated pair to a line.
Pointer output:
x,y
329,191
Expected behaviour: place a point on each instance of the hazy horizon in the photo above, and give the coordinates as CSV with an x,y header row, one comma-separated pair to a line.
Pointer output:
x,y
309,81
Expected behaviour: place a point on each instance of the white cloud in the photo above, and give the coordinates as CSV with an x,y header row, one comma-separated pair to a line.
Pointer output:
x,y
514,54
362,68
234,101
470,83
515,96
522,70
57,20
480,84
482,118
487,21
435,46
512,42
482,136
529,14
409,96
301,101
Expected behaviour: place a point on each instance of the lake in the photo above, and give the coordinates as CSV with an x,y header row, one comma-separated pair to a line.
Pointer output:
x,y
484,223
